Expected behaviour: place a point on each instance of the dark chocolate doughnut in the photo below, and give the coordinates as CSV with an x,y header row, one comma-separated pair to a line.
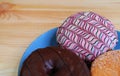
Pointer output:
x,y
54,61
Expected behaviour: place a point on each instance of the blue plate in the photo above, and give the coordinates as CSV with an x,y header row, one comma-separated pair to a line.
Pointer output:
x,y
47,39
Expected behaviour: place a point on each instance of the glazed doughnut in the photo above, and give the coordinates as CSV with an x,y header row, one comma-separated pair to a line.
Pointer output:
x,y
54,61
107,64
87,34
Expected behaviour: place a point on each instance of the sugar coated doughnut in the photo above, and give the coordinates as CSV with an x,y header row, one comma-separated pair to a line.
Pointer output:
x,y
107,64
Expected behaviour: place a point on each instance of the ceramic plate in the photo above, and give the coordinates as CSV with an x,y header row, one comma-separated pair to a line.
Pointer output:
x,y
48,39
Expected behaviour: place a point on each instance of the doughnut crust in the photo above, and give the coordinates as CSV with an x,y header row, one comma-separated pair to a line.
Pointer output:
x,y
54,61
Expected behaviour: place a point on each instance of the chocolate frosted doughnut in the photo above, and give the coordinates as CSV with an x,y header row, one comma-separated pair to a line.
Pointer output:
x,y
54,61
87,34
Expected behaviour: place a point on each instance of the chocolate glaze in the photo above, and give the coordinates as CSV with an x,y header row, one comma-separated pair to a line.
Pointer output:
x,y
54,61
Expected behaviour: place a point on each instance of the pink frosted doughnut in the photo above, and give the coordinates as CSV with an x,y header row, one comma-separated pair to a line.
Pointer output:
x,y
87,34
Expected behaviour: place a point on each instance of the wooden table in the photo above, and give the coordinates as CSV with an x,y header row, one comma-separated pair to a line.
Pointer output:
x,y
21,21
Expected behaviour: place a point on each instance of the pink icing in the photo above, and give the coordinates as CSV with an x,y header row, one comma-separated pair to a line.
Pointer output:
x,y
87,34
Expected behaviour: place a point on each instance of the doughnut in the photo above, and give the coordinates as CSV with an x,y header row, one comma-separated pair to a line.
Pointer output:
x,y
107,64
54,61
87,34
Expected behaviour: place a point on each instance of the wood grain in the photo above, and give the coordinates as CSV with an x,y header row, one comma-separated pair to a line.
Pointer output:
x,y
21,21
